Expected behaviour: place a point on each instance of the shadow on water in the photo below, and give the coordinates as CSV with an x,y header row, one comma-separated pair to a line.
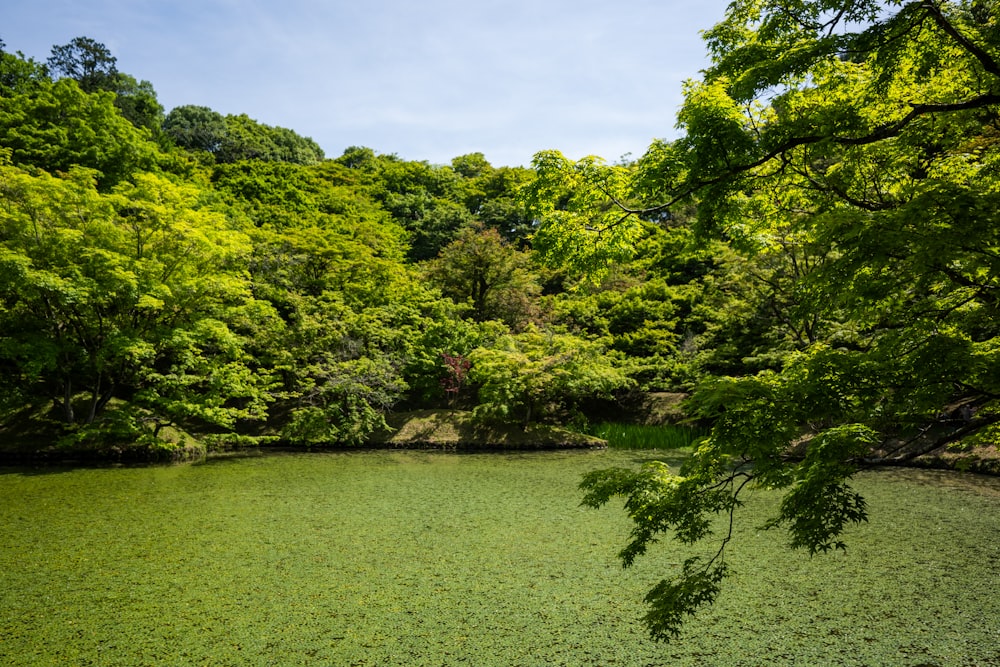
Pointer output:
x,y
53,465
49,465
952,479
67,465
931,477
672,457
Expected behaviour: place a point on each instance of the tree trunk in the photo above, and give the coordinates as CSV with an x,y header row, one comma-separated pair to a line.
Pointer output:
x,y
105,397
68,415
95,395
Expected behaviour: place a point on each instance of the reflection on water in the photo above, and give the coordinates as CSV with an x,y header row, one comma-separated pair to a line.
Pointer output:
x,y
988,485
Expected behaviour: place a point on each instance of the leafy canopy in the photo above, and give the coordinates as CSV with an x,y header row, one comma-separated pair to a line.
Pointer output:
x,y
860,135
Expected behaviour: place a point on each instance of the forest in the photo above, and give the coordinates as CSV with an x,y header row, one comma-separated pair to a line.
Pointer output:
x,y
814,264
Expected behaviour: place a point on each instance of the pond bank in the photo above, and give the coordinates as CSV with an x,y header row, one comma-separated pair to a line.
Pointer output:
x,y
443,430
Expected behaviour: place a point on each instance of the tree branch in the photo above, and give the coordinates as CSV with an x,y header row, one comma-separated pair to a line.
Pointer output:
x,y
904,453
984,58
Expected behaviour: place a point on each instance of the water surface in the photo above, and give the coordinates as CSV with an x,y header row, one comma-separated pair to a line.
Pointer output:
x,y
413,558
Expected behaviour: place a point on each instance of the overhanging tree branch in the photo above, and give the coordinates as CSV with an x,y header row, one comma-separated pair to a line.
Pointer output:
x,y
985,59
879,133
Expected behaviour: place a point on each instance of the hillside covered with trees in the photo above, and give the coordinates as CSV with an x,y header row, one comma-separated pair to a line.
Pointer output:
x,y
816,262
207,274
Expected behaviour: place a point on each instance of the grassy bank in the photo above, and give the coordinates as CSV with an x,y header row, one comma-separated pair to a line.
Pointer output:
x,y
640,436
458,430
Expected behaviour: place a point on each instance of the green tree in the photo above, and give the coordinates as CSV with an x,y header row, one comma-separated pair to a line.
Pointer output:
x,y
230,139
534,374
445,334
196,128
19,74
866,129
497,203
471,165
481,270
426,200
662,309
247,139
580,225
92,66
137,102
86,61
56,126
341,372
331,263
139,295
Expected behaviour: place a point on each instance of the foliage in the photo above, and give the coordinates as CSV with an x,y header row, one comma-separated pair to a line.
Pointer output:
x,y
816,257
456,373
233,138
137,102
86,61
444,333
19,74
339,373
248,139
664,310
56,126
849,148
331,263
92,66
139,291
196,128
580,225
492,195
526,375
641,436
493,279
436,203
419,197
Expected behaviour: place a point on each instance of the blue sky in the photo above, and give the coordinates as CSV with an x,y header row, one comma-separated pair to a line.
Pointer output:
x,y
427,80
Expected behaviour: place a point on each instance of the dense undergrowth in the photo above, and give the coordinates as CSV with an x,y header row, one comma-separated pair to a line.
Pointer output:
x,y
646,436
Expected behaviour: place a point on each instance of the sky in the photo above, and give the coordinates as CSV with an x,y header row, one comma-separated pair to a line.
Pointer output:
x,y
425,80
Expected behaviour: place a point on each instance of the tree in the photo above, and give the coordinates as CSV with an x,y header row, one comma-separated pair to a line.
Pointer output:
x,y
139,295
86,61
92,66
330,262
137,102
497,203
444,335
579,227
422,198
196,128
340,376
55,126
481,270
231,138
295,148
18,74
530,375
867,128
471,165
247,139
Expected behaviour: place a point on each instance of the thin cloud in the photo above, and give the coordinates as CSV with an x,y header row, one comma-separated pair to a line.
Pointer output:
x,y
428,81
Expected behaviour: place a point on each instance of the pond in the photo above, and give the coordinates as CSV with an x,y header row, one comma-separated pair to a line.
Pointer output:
x,y
422,558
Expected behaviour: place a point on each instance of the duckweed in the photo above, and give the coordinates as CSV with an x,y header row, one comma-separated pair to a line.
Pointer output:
x,y
421,558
